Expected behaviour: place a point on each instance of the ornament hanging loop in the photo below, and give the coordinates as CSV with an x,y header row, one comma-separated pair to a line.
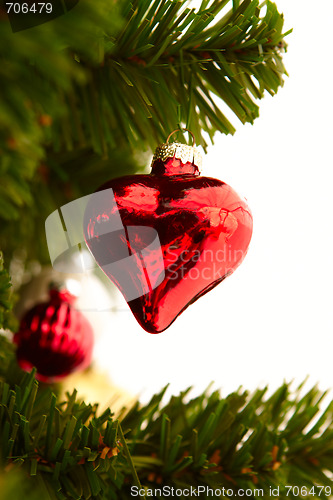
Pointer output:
x,y
180,130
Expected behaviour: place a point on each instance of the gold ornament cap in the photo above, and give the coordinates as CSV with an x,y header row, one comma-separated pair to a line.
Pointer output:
x,y
182,152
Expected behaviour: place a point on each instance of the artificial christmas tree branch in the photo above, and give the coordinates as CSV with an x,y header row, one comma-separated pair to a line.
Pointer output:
x,y
189,56
241,442
7,319
121,76
167,57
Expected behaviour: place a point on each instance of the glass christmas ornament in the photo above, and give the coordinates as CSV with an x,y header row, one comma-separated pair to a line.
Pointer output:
x,y
168,237
55,338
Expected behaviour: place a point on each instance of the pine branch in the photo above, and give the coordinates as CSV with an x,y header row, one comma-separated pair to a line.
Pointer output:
x,y
169,57
6,303
169,64
242,441
164,57
239,442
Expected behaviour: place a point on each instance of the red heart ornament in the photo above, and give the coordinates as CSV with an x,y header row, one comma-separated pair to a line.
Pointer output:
x,y
169,237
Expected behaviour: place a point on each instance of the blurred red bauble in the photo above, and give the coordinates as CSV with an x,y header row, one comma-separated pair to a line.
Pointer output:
x,y
55,338
167,238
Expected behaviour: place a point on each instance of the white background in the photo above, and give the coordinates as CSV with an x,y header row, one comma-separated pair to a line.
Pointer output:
x,y
272,320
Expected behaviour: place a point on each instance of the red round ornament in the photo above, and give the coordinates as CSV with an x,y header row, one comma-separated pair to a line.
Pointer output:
x,y
55,338
169,237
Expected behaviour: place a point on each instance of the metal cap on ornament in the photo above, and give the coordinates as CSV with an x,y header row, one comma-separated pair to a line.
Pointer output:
x,y
65,290
176,158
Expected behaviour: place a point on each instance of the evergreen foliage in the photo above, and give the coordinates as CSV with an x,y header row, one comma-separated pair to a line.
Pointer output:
x,y
67,449
7,320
